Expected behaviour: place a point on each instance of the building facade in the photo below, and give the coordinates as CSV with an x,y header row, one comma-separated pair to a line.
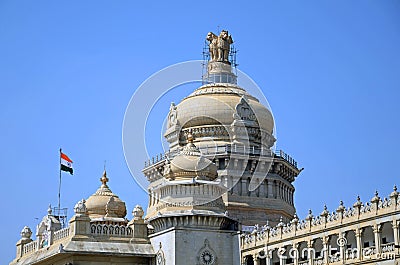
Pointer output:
x,y
220,178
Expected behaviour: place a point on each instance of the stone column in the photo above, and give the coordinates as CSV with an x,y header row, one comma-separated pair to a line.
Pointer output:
x,y
377,235
342,247
256,259
310,244
269,257
325,248
395,226
270,190
296,253
262,191
358,233
396,236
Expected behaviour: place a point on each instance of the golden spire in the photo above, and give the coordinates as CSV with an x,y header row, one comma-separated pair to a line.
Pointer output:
x,y
104,179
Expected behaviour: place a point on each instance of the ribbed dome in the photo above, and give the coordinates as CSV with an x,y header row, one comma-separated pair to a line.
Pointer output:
x,y
104,203
189,163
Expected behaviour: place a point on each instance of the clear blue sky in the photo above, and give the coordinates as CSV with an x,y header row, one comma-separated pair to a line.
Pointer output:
x,y
330,71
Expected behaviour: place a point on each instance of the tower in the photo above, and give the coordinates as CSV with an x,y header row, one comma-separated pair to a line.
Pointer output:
x,y
221,169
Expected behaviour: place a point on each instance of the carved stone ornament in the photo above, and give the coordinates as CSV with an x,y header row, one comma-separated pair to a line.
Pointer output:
x,y
26,233
160,257
138,212
244,110
219,46
172,115
206,255
80,207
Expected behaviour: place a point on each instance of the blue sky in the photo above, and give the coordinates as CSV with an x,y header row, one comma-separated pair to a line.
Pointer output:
x,y
329,69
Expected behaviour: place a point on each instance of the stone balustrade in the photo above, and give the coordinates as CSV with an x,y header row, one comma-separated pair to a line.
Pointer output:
x,y
30,247
110,230
61,234
225,150
348,230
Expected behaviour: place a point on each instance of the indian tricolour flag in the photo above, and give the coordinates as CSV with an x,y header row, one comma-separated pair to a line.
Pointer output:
x,y
66,163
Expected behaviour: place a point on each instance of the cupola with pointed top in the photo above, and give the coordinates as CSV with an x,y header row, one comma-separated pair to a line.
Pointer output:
x,y
104,204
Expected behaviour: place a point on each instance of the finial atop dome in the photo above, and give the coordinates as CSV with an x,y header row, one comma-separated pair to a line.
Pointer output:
x,y
49,210
220,57
104,179
219,46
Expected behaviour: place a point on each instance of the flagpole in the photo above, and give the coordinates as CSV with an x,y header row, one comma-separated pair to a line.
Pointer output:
x,y
59,185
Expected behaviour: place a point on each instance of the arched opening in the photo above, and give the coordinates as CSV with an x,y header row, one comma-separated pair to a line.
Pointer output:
x,y
334,249
351,245
303,252
249,260
319,251
275,258
387,238
368,242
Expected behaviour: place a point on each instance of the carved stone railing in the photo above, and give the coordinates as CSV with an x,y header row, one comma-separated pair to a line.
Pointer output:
x,y
226,149
351,254
30,247
60,234
369,251
389,247
110,230
319,261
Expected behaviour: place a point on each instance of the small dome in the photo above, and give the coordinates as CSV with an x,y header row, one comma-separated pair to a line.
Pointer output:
x,y
104,203
190,164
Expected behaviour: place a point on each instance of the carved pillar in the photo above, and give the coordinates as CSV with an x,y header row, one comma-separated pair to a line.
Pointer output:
x,y
261,190
342,246
396,237
291,197
325,248
269,257
358,233
270,189
377,235
310,244
279,190
256,259
296,253
284,192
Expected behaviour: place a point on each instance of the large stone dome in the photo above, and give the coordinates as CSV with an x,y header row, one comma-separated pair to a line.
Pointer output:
x,y
217,103
104,204
210,113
